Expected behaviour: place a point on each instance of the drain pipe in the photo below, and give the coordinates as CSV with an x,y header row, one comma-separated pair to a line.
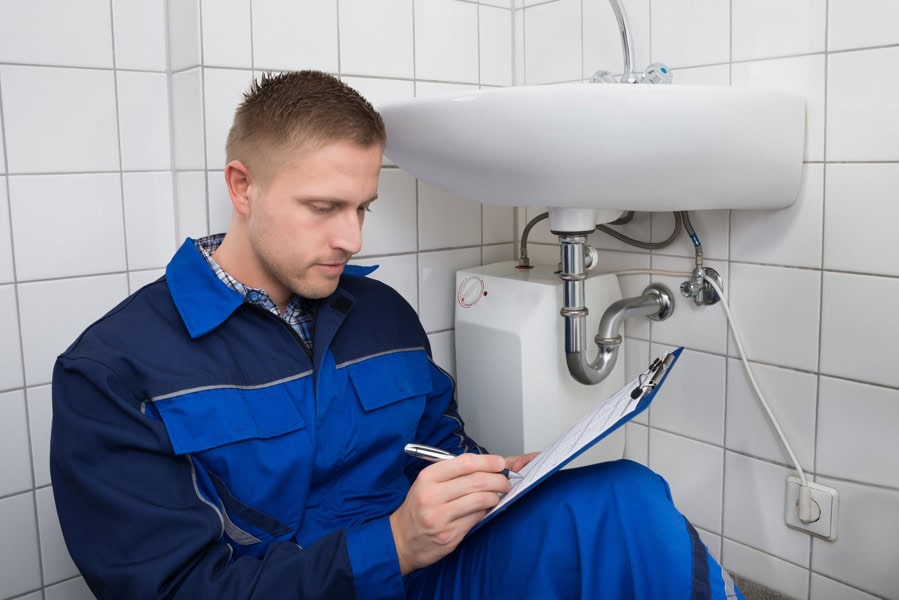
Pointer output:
x,y
655,303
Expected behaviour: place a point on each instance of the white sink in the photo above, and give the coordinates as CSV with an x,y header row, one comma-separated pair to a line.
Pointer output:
x,y
605,146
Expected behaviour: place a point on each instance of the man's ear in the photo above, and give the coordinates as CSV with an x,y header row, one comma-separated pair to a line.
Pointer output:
x,y
238,179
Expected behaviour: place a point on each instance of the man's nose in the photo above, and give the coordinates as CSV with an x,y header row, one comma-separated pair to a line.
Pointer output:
x,y
348,233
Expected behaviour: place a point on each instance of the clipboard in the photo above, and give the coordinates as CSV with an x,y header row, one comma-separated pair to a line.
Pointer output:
x,y
622,406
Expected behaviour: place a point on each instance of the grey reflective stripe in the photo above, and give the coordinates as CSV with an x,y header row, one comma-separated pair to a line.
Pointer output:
x,y
236,533
376,355
206,388
193,474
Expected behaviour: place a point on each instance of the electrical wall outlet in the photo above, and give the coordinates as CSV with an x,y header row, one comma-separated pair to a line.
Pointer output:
x,y
827,499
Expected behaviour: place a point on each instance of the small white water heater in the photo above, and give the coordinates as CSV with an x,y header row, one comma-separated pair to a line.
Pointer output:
x,y
513,384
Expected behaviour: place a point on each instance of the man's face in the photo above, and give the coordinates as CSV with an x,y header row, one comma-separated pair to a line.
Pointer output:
x,y
307,222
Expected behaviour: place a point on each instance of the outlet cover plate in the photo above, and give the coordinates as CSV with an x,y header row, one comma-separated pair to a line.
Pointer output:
x,y
828,500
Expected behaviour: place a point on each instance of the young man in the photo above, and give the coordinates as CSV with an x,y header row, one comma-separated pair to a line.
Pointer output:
x,y
236,428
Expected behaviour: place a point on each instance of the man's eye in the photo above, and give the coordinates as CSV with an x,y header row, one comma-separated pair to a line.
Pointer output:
x,y
322,208
365,208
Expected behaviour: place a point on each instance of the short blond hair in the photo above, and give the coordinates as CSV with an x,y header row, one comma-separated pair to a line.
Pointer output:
x,y
284,112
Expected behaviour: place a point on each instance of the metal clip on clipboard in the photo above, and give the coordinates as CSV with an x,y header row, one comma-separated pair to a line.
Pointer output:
x,y
656,372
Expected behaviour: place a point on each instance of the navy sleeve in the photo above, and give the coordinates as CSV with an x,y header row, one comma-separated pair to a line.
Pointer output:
x,y
132,519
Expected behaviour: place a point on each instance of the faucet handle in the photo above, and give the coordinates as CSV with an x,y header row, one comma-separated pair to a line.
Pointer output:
x,y
656,73
602,76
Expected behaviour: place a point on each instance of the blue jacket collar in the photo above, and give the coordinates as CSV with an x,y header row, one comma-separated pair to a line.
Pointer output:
x,y
202,300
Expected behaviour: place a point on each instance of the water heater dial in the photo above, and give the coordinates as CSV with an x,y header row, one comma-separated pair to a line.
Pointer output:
x,y
470,291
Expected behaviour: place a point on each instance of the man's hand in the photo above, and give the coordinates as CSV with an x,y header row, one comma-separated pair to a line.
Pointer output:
x,y
447,499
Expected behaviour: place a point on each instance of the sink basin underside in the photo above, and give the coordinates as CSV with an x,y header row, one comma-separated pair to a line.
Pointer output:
x,y
627,147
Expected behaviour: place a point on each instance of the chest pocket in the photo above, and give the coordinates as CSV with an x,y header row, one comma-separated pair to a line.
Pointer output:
x,y
252,454
392,390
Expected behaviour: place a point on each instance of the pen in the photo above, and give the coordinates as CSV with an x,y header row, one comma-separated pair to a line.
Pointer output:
x,y
431,454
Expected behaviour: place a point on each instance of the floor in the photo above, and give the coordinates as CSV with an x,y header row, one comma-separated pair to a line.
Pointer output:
x,y
755,591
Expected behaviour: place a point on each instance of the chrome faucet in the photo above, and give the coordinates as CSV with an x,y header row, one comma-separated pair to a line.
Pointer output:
x,y
654,73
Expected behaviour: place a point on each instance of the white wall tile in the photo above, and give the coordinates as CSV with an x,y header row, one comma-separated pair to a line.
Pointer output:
x,y
55,557
754,508
11,365
425,89
498,3
40,413
443,348
59,119
138,279
149,219
869,416
690,32
712,543
82,214
867,245
763,28
772,572
713,75
222,91
49,32
143,100
140,34
220,207
376,38
391,226
864,554
190,205
684,408
187,120
862,23
47,331
2,144
294,35
399,272
73,589
862,111
710,226
437,285
691,469
800,75
768,302
602,41
15,468
827,589
446,220
499,223
379,91
697,327
495,45
518,45
552,51
636,443
791,236
184,34
6,261
20,569
792,398
497,253
856,311
446,40
227,34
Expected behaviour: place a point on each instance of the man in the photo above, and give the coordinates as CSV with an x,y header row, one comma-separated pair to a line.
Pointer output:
x,y
235,429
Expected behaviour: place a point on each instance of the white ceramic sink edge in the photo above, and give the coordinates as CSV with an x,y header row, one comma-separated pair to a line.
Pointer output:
x,y
605,146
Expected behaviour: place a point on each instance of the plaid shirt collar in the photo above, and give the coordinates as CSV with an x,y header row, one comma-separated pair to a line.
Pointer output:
x,y
299,313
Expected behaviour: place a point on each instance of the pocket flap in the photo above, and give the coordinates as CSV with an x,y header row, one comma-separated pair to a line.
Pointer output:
x,y
213,417
389,378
